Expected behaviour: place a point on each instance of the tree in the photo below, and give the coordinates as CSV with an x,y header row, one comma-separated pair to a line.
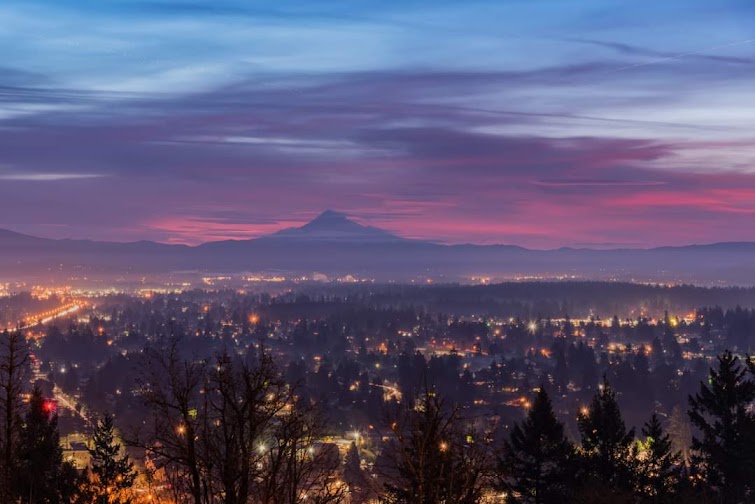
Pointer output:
x,y
43,477
680,432
561,373
535,462
657,353
14,377
234,431
606,453
171,390
661,468
724,453
432,458
112,473
353,475
670,343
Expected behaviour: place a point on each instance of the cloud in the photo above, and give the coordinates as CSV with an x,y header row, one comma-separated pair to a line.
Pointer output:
x,y
406,118
598,183
634,50
47,177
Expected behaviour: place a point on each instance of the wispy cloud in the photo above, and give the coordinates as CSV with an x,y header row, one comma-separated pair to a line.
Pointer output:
x,y
456,124
47,177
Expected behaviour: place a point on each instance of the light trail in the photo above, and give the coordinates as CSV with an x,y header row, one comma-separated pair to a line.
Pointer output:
x,y
49,316
67,402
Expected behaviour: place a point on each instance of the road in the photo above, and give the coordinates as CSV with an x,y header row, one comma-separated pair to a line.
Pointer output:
x,y
50,315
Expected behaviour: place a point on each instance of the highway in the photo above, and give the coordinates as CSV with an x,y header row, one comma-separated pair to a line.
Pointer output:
x,y
50,315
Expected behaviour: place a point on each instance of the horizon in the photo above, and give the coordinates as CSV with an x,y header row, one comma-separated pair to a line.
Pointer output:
x,y
538,125
352,220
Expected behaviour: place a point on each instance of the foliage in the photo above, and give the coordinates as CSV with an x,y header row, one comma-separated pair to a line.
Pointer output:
x,y
113,473
607,445
535,465
724,451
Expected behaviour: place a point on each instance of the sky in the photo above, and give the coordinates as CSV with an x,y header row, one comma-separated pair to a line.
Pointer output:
x,y
594,123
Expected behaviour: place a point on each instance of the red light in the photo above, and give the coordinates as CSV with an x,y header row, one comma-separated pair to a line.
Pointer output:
x,y
49,406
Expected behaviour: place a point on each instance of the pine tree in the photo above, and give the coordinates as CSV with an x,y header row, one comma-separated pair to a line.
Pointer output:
x,y
661,466
725,452
657,353
607,453
112,473
561,373
353,474
352,471
670,343
43,477
535,461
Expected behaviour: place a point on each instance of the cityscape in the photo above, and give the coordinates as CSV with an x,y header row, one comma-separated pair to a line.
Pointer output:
x,y
377,252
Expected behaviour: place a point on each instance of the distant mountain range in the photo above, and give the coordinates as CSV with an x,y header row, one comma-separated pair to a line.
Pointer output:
x,y
333,244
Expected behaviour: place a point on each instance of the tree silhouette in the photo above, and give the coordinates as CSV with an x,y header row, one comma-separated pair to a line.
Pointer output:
x,y
535,461
233,429
43,477
354,476
352,471
14,376
431,458
725,451
112,473
660,470
606,455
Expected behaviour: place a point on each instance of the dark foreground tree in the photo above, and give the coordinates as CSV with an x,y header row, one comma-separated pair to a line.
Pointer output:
x,y
171,388
113,473
607,460
233,431
14,379
724,452
43,477
661,467
535,463
433,457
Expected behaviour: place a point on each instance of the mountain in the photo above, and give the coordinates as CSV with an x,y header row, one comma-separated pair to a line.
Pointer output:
x,y
335,227
336,245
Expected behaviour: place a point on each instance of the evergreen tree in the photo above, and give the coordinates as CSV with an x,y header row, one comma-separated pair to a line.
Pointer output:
x,y
535,460
661,468
672,348
561,373
112,473
657,353
352,471
353,474
43,477
725,451
607,453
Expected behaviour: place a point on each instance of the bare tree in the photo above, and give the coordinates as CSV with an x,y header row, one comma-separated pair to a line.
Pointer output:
x,y
242,399
14,380
297,467
172,388
434,456
234,431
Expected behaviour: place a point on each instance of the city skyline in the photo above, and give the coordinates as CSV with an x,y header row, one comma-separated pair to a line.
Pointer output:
x,y
538,125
